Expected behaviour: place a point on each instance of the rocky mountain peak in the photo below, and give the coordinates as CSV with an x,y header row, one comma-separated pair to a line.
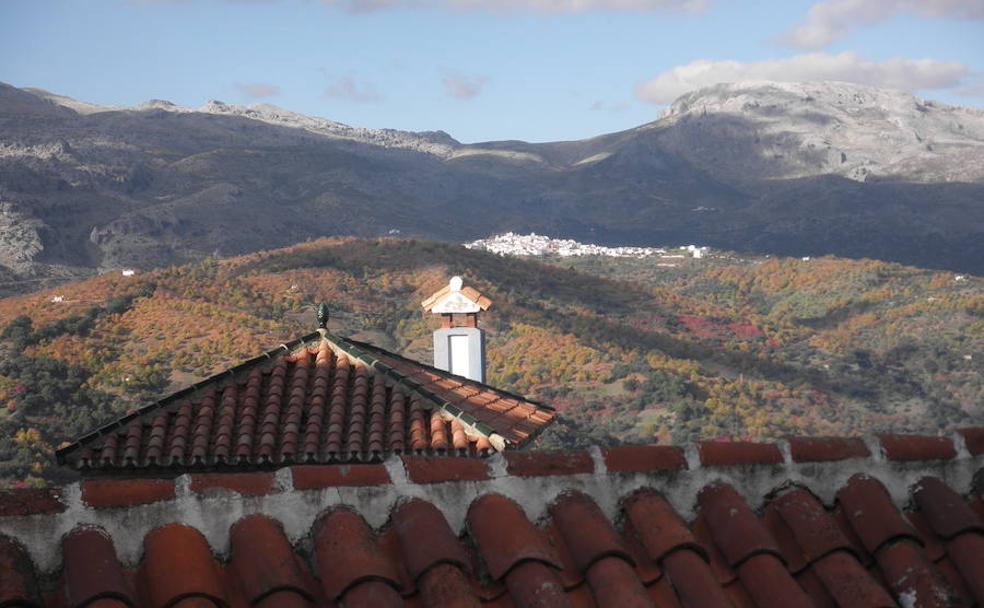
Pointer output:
x,y
819,128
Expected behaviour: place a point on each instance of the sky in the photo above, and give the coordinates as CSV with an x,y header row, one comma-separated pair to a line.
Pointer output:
x,y
536,70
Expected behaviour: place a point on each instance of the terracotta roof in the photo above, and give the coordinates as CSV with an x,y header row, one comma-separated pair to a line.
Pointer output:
x,y
469,292
318,399
831,522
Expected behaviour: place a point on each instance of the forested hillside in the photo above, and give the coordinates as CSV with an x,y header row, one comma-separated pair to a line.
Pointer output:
x,y
626,349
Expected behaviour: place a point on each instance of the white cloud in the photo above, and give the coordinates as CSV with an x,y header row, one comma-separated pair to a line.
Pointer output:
x,y
546,6
904,74
463,87
347,87
831,20
603,106
258,90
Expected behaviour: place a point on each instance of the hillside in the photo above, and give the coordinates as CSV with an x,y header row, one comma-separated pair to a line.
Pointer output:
x,y
792,169
626,348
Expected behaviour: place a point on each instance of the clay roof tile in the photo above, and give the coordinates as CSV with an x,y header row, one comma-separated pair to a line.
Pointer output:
x,y
614,584
911,578
944,509
532,584
657,526
347,553
425,538
263,560
967,554
505,537
693,580
586,531
848,583
769,584
178,563
371,594
813,529
18,586
736,531
445,586
92,570
870,513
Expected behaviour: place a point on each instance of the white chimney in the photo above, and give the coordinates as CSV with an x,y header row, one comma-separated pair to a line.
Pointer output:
x,y
459,345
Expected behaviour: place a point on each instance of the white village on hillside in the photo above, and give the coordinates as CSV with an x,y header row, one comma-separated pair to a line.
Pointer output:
x,y
539,245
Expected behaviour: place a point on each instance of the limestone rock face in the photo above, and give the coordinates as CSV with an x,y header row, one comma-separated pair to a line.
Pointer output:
x,y
20,242
787,130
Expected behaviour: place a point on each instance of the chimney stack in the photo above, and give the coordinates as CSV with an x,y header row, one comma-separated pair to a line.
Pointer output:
x,y
459,344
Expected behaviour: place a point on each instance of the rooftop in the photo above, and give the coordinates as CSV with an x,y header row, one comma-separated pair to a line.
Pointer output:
x,y
877,521
318,399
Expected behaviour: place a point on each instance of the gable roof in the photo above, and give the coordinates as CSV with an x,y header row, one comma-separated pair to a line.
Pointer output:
x,y
317,399
843,522
464,294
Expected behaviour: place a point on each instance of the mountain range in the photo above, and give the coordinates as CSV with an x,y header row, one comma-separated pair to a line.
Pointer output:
x,y
795,169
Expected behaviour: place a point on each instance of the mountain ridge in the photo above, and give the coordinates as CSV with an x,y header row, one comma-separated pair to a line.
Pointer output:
x,y
745,166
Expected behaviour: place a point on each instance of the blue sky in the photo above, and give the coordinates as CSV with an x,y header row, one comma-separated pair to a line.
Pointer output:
x,y
537,70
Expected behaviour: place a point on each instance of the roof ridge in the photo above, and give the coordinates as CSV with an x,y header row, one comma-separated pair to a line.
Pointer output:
x,y
184,393
446,374
354,349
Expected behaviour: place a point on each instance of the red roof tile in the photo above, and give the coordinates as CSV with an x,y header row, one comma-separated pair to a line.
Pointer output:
x,y
534,584
826,449
917,447
28,501
945,510
319,399
263,560
349,555
178,563
812,530
657,526
974,440
18,585
870,513
92,571
446,585
505,537
910,575
734,528
248,484
731,453
693,580
312,476
426,469
845,582
426,538
529,464
642,458
587,533
582,537
112,493
614,584
769,584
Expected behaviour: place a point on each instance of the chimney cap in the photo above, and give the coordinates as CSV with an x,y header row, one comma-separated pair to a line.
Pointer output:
x,y
456,298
